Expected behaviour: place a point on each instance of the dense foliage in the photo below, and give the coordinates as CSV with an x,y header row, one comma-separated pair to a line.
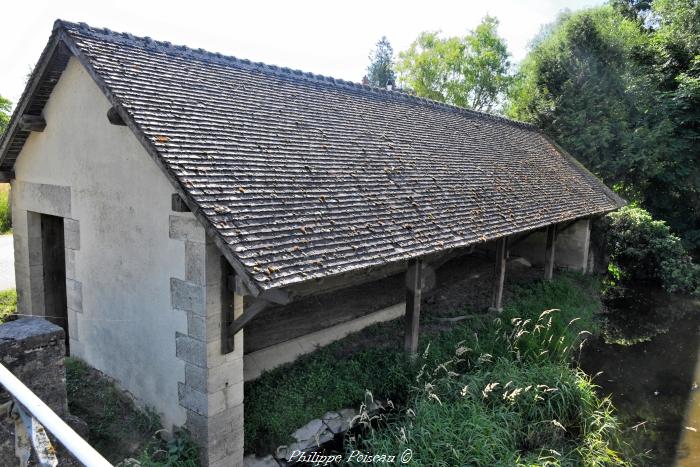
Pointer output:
x,y
380,71
619,87
469,71
644,251
5,109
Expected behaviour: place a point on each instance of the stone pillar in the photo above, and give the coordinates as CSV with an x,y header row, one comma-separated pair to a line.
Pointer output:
x,y
212,393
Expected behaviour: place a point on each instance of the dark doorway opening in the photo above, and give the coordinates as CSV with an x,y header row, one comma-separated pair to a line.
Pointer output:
x,y
54,263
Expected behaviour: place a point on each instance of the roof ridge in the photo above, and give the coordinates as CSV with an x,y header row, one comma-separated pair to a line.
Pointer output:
x,y
202,54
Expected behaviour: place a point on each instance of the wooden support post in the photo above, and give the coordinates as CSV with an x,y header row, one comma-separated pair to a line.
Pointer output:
x,y
500,274
414,284
549,252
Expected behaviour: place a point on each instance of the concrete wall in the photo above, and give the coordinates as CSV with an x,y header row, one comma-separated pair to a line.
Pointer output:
x,y
572,247
120,256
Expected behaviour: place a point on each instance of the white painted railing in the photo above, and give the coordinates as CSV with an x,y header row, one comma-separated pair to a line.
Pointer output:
x,y
32,416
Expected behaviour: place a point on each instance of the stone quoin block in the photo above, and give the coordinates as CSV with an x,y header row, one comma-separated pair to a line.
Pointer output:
x,y
71,234
187,296
74,295
190,350
70,263
186,227
196,377
192,399
196,327
223,422
195,267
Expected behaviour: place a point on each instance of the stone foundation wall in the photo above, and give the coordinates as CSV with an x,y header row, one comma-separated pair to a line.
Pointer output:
x,y
33,350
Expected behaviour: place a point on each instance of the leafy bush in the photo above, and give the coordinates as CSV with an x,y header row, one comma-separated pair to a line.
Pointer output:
x,y
5,212
643,250
8,304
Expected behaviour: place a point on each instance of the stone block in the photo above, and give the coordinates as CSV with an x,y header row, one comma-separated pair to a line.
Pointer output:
x,y
192,399
225,446
33,224
46,199
71,234
35,250
196,327
19,220
200,426
186,227
190,350
70,264
187,296
196,377
74,294
214,261
223,376
195,262
73,325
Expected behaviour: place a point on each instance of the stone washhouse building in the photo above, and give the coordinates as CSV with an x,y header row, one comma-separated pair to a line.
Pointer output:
x,y
170,202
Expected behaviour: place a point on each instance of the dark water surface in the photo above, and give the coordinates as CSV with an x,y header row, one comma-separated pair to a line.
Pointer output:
x,y
648,363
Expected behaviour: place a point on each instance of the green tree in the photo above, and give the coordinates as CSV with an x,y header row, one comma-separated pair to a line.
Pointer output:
x,y
5,109
621,95
469,71
380,71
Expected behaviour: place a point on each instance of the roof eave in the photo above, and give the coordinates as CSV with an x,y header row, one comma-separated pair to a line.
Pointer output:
x,y
60,38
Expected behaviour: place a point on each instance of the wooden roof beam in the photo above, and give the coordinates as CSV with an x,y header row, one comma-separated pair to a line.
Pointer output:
x,y
32,123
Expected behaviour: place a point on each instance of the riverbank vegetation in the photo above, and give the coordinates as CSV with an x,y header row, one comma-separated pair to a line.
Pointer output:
x,y
505,383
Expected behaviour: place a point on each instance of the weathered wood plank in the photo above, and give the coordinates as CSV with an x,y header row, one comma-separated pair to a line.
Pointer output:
x,y
550,252
313,313
500,274
414,286
178,204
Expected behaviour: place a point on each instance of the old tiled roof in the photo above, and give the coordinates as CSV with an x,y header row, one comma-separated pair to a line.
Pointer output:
x,y
302,176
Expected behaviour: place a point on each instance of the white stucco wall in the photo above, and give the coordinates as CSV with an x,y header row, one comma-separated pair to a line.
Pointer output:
x,y
122,202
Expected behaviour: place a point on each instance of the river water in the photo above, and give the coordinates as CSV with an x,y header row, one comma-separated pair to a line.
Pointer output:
x,y
648,362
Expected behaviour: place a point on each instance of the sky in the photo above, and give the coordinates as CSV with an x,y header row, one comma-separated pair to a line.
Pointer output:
x,y
332,38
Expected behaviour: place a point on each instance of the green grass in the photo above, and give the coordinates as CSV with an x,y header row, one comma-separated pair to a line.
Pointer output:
x,y
117,428
507,394
500,350
8,304
5,212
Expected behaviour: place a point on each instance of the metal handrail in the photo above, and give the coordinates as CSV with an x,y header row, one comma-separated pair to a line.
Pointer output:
x,y
71,440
